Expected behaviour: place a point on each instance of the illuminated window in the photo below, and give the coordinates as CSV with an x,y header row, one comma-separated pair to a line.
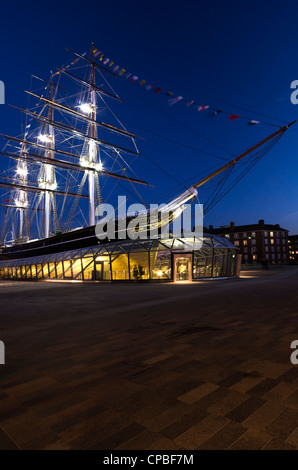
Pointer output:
x,y
271,234
244,242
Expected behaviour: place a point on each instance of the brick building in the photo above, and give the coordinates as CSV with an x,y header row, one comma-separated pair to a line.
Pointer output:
x,y
257,242
293,249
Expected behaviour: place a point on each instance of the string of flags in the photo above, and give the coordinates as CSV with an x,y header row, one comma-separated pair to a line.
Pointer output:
x,y
172,100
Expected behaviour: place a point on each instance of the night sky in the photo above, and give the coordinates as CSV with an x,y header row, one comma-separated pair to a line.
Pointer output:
x,y
239,53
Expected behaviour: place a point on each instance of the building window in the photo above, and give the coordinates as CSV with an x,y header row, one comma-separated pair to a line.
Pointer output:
x,y
236,236
236,242
266,234
266,241
283,234
244,235
253,234
254,242
283,242
271,234
272,241
244,242
266,248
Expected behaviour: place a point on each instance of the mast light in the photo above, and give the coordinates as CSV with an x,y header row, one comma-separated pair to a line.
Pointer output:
x,y
45,138
86,108
91,165
22,171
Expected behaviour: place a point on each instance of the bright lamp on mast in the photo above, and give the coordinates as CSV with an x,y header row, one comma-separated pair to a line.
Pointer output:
x,y
22,172
44,138
86,108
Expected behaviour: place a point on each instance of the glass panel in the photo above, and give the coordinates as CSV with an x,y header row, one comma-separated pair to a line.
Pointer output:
x,y
160,264
45,270
182,269
28,272
77,269
33,271
88,268
67,269
59,270
120,267
39,271
219,263
139,265
52,271
202,264
102,268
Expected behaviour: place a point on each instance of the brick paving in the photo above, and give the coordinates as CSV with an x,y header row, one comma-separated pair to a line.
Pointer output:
x,y
149,366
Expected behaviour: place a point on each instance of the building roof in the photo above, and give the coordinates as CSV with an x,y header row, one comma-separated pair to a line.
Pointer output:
x,y
246,228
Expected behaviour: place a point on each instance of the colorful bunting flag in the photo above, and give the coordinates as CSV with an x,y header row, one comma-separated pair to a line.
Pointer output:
x,y
149,87
218,111
157,90
232,117
202,107
134,78
253,122
190,102
175,100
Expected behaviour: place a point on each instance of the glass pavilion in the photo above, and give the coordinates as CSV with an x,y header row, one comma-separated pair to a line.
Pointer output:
x,y
130,260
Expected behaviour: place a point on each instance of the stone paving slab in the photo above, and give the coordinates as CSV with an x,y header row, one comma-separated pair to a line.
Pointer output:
x,y
204,365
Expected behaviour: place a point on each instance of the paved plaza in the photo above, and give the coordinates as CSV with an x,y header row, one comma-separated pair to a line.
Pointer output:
x,y
201,365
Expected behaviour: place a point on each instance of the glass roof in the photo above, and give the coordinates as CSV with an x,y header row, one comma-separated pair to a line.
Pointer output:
x,y
125,246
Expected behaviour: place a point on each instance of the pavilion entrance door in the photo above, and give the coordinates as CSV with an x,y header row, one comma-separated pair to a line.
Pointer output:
x,y
99,270
182,267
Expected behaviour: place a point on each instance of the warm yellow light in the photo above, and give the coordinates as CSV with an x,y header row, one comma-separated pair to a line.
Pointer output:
x,y
159,273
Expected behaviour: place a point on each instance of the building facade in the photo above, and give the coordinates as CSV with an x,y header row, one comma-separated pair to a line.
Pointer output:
x,y
293,249
257,242
170,259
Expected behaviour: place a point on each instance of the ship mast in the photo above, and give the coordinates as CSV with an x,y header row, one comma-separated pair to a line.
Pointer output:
x,y
22,198
92,147
48,179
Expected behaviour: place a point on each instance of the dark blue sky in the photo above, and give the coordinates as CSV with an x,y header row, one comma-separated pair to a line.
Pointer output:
x,y
244,53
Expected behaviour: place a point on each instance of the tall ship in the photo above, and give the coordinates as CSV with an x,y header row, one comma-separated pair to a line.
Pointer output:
x,y
58,169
